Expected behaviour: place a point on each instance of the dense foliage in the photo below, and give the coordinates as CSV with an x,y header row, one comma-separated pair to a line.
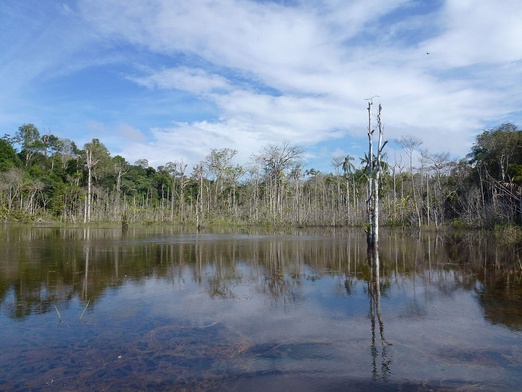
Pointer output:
x,y
46,177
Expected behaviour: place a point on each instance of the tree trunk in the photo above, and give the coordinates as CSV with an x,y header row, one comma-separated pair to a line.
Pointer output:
x,y
374,173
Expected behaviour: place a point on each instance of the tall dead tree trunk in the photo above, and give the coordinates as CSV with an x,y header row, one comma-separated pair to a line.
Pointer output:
x,y
370,202
374,174
90,162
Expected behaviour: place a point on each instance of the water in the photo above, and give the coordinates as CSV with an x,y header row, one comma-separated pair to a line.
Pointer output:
x,y
161,308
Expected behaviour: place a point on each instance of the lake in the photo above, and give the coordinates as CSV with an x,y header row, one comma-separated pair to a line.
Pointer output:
x,y
163,308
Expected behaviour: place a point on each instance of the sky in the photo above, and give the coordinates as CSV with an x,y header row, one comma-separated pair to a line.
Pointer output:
x,y
170,80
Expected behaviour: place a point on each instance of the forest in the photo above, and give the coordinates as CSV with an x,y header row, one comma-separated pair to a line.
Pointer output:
x,y
47,178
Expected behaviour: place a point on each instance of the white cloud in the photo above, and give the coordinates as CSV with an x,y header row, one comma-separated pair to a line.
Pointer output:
x,y
192,142
488,31
193,80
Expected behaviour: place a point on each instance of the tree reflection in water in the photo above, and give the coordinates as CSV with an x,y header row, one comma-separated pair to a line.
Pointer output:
x,y
87,251
374,292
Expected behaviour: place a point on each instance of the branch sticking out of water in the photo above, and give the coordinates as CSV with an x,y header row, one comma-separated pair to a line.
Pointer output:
x,y
58,312
81,315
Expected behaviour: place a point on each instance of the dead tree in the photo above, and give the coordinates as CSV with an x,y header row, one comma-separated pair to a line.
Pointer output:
x,y
374,166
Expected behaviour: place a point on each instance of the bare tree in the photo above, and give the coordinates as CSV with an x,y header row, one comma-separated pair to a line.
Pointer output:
x,y
11,184
95,152
176,172
397,168
374,166
120,167
197,174
276,161
219,167
409,144
437,167
90,162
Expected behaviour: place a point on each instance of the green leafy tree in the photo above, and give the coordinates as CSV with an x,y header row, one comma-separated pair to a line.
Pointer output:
x,y
498,152
8,157
496,158
29,138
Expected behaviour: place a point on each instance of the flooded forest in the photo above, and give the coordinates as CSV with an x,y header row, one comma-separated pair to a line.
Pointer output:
x,y
258,277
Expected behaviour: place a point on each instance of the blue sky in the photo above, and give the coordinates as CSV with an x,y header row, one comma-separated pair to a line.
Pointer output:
x,y
168,80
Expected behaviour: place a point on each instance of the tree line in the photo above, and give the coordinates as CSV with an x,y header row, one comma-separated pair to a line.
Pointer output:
x,y
44,177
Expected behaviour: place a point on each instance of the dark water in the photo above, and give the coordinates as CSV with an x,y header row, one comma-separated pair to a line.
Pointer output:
x,y
163,309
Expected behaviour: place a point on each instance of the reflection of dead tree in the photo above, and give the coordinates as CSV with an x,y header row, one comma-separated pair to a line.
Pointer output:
x,y
283,287
86,276
374,291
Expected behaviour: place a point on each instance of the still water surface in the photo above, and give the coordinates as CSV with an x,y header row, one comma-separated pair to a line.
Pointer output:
x,y
161,308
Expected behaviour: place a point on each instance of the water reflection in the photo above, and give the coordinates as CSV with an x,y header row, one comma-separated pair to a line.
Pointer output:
x,y
285,305
374,292
44,266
